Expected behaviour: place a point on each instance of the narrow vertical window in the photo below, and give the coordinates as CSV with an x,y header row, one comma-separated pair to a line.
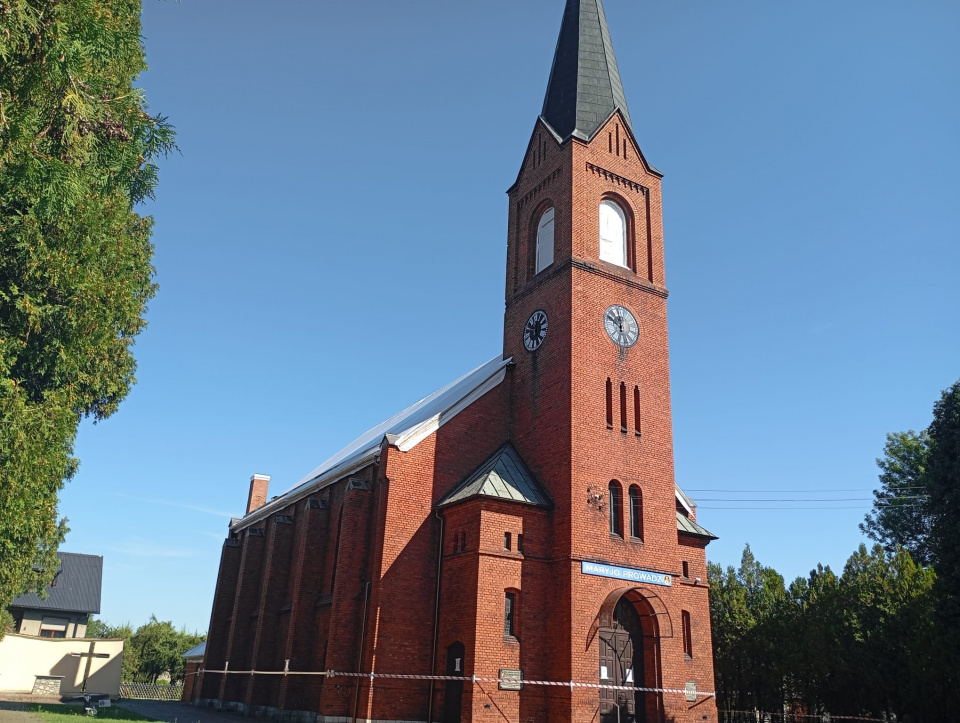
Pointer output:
x,y
636,410
687,637
616,509
545,240
609,404
636,512
506,540
520,544
623,407
686,569
509,611
613,234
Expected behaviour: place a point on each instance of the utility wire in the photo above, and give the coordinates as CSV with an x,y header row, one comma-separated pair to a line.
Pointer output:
x,y
859,489
794,507
804,499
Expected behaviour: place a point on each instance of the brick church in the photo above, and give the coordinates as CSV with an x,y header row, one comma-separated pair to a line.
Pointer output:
x,y
521,525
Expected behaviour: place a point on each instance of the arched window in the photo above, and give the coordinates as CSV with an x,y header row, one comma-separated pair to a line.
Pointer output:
x,y
636,512
616,509
545,240
613,234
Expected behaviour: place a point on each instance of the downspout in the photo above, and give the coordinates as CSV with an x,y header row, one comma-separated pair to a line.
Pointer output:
x,y
436,617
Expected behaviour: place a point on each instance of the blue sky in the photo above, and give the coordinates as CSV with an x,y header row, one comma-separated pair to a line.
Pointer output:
x,y
338,209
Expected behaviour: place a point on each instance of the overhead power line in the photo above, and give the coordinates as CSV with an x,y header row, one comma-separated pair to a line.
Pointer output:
x,y
760,492
806,499
795,507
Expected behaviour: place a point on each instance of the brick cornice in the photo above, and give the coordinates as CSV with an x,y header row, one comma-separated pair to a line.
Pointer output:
x,y
619,180
591,268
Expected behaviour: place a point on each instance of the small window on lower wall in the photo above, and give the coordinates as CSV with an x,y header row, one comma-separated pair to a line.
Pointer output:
x,y
687,638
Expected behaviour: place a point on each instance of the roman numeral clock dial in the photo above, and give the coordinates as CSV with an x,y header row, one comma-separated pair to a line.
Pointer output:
x,y
621,326
535,330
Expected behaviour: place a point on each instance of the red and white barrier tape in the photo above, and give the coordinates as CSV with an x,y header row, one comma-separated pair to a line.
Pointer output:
x,y
464,679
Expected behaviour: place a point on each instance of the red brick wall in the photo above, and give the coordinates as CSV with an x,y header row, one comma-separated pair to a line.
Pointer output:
x,y
376,549
190,681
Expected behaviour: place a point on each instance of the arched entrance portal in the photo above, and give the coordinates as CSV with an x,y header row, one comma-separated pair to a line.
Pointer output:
x,y
629,651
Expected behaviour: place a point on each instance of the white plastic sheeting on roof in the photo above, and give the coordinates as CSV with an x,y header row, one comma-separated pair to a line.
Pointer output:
x,y
405,429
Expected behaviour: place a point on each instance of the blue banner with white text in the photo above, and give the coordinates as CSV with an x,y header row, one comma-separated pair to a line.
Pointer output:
x,y
626,573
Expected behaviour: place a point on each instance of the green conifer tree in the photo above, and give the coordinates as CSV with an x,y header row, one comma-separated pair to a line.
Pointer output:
x,y
77,152
943,484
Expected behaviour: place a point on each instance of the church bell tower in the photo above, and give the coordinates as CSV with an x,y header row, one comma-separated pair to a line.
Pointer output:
x,y
586,326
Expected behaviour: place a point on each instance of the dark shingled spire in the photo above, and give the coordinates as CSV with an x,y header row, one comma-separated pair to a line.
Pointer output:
x,y
584,87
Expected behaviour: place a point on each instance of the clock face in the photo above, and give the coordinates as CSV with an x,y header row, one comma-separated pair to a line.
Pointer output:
x,y
621,326
535,330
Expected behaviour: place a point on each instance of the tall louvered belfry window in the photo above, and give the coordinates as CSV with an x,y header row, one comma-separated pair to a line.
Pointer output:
x,y
613,234
545,240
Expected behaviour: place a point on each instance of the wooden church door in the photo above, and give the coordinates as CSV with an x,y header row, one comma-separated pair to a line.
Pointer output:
x,y
453,691
621,663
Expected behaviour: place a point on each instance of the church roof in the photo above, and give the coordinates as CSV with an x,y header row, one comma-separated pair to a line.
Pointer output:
x,y
584,87
403,430
685,524
504,475
75,588
197,651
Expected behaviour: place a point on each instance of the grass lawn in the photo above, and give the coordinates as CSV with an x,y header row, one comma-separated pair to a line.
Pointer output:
x,y
53,713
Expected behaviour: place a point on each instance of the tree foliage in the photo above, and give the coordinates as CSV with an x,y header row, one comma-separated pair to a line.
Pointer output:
x,y
156,648
77,152
861,643
900,515
943,483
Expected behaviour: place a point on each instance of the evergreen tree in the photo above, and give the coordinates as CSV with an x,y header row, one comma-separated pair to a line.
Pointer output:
x,y
76,158
900,515
859,644
943,482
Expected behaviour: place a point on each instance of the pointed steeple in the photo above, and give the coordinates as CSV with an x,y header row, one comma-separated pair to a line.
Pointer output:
x,y
584,87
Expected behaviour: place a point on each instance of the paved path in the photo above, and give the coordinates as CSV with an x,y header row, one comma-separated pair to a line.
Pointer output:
x,y
171,712
11,712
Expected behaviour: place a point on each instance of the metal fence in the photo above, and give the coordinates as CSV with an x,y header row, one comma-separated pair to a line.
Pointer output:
x,y
146,691
754,716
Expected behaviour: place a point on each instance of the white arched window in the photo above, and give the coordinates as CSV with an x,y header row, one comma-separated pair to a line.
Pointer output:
x,y
545,240
613,234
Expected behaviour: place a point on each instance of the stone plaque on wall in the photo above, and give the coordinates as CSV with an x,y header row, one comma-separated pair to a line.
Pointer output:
x,y
510,679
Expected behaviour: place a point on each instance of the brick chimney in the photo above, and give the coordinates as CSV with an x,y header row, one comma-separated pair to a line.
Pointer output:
x,y
259,484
